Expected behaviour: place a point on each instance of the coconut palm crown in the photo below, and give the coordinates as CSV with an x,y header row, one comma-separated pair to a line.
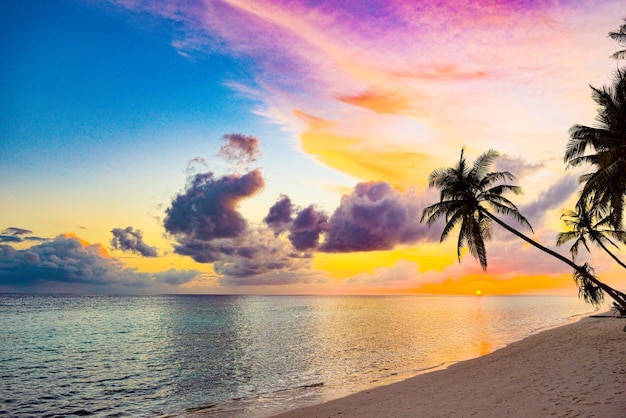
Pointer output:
x,y
586,225
464,191
604,148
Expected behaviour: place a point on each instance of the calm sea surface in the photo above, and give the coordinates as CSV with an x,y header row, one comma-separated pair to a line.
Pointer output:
x,y
239,355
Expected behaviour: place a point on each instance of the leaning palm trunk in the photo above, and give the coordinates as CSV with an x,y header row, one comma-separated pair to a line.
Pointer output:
x,y
613,256
617,296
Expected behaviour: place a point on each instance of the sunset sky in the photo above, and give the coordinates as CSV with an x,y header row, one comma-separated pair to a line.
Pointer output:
x,y
251,146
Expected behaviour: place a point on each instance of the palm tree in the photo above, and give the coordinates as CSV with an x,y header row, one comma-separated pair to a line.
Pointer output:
x,y
465,189
585,225
605,188
620,37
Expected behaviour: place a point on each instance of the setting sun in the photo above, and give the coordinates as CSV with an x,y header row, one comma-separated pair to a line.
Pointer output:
x,y
479,293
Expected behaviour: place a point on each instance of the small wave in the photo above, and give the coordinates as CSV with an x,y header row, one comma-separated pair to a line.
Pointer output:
x,y
243,406
309,385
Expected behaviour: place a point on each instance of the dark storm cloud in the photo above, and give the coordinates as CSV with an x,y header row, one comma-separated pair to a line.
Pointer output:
x,y
130,239
279,216
374,217
207,209
68,261
305,231
240,148
552,198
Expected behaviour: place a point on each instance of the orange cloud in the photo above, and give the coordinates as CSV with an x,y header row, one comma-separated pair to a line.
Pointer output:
x,y
379,102
313,121
351,155
98,248
339,266
442,72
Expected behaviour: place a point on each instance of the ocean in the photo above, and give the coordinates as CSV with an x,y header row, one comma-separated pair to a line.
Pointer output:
x,y
155,356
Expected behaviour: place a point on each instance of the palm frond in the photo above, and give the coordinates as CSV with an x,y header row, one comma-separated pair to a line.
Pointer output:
x,y
451,223
619,55
588,289
563,237
512,212
483,162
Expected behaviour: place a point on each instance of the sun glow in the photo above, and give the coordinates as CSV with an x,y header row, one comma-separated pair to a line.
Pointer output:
x,y
479,293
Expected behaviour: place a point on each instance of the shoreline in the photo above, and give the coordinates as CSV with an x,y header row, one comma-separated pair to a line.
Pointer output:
x,y
575,369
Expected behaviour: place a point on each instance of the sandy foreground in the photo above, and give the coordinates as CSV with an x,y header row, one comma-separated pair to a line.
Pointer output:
x,y
578,370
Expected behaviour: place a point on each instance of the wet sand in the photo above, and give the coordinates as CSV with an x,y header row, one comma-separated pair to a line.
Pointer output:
x,y
570,371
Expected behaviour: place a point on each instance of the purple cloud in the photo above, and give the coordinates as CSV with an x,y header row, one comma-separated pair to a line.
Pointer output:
x,y
240,148
551,198
305,231
16,231
129,239
374,217
13,234
207,209
279,216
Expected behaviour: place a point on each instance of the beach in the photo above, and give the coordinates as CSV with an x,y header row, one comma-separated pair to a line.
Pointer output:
x,y
570,371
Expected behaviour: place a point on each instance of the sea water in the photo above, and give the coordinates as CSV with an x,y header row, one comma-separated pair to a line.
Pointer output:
x,y
66,355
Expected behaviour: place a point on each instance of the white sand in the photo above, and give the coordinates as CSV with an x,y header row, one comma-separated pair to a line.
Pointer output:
x,y
571,371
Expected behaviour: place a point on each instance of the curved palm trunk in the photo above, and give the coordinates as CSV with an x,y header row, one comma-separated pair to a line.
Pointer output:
x,y
613,256
618,296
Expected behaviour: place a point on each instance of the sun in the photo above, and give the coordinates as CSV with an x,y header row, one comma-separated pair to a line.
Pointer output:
x,y
479,293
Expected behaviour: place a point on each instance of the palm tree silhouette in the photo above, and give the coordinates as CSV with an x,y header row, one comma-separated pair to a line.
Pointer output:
x,y
465,188
586,225
606,186
620,37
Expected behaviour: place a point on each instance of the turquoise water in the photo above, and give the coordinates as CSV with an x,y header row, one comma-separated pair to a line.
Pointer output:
x,y
239,355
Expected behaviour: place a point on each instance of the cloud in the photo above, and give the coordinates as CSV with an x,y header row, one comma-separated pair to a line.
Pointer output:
x,y
517,165
374,217
207,226
262,254
80,265
194,166
240,148
16,231
13,234
551,198
401,276
207,208
10,238
279,216
175,277
305,231
129,239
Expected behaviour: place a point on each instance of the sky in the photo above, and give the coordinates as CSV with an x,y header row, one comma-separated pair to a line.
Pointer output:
x,y
284,147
